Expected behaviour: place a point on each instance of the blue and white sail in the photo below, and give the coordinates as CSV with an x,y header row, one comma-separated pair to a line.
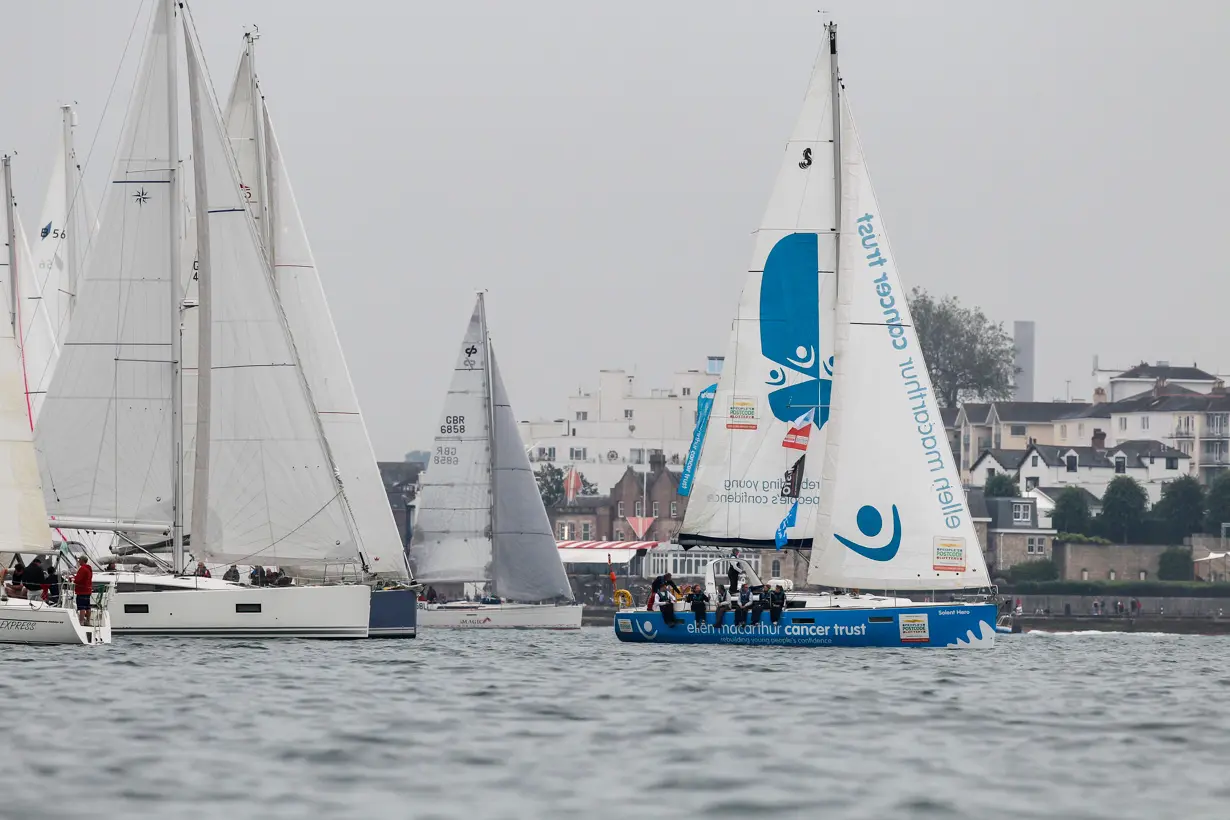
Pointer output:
x,y
892,511
765,434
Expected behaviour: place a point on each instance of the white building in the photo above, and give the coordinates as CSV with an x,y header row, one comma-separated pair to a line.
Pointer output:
x,y
1151,463
1121,384
619,424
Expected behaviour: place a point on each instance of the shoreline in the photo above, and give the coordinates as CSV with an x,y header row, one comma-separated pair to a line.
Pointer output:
x,y
1113,623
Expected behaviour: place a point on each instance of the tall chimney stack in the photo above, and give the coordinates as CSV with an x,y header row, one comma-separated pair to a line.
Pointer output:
x,y
1023,342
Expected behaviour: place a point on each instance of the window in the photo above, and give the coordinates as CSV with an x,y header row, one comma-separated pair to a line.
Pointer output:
x,y
1144,422
248,608
1020,513
1063,431
1031,482
1070,461
1084,575
1080,431
586,530
990,471
619,510
639,510
546,454
628,413
576,453
567,530
1112,575
1123,422
674,509
636,456
695,416
136,609
1172,463
1143,575
656,513
1120,465
777,569
582,415
1033,461
1029,545
1017,430
619,535
687,391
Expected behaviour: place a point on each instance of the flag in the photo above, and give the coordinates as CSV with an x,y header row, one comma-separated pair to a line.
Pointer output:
x,y
792,481
704,405
572,485
800,432
781,538
640,524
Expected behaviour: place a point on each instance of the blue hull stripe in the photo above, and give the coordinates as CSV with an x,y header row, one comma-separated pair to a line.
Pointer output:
x,y
932,625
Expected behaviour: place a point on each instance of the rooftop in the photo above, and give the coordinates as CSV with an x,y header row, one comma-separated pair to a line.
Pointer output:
x,y
1161,370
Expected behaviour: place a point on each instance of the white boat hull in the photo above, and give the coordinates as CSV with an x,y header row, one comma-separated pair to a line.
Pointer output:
x,y
499,616
219,609
33,622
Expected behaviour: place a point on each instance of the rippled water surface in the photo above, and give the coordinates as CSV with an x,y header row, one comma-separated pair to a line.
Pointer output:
x,y
544,725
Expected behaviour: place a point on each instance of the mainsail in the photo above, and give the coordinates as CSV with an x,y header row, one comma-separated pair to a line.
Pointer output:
x,y
267,190
480,517
756,480
892,511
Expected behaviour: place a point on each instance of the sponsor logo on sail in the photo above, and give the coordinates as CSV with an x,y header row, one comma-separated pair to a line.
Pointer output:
x,y
870,523
742,413
914,628
45,231
948,554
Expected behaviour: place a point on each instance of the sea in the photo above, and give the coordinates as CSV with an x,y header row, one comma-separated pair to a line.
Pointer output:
x,y
536,725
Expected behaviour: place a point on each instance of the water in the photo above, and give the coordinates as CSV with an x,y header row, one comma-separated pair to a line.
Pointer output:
x,y
545,725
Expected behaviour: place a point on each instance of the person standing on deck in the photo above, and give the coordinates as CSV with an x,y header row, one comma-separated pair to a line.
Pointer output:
x,y
659,583
83,588
33,580
732,574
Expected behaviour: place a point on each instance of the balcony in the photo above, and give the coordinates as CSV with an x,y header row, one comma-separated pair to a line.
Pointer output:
x,y
1183,433
1214,459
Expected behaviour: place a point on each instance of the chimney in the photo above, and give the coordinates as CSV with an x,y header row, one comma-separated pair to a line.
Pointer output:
x,y
1159,387
1099,395
1219,387
657,461
1099,439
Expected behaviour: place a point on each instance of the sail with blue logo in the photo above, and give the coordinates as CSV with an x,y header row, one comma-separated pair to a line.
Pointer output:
x,y
892,509
751,488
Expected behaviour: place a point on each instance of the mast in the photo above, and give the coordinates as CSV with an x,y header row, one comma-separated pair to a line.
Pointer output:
x,y
258,129
70,200
177,298
204,371
836,97
482,319
12,240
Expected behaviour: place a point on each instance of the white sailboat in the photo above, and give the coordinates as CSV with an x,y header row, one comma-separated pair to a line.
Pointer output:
x,y
824,385
111,430
23,516
480,521
266,188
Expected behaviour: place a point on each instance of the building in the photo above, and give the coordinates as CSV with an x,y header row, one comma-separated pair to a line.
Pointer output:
x,y
1047,496
952,430
401,485
1094,466
1124,384
992,462
1108,562
1014,534
1008,425
619,425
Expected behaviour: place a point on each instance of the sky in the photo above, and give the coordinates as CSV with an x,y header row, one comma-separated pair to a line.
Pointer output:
x,y
599,168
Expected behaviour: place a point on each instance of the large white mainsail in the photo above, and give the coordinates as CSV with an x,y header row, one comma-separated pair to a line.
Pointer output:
x,y
892,513
267,189
480,517
104,433
264,485
760,458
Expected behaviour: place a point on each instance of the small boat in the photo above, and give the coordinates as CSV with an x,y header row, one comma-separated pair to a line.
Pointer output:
x,y
823,432
1003,626
480,520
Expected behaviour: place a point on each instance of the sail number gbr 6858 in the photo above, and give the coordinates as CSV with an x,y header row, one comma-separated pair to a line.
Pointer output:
x,y
453,425
445,455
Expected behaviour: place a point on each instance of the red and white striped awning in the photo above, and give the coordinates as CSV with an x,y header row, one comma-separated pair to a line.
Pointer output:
x,y
606,545
597,552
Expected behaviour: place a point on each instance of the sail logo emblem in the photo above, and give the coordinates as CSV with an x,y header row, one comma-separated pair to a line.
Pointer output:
x,y
469,359
806,163
742,414
870,524
45,231
790,330
647,629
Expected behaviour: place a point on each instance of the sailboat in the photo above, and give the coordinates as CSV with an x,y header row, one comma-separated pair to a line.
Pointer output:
x,y
111,434
824,432
23,516
480,524
266,188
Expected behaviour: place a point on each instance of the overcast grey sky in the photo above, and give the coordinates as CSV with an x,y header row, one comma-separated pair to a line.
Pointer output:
x,y
599,166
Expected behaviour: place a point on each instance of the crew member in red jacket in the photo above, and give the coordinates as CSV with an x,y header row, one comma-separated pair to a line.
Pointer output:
x,y
83,586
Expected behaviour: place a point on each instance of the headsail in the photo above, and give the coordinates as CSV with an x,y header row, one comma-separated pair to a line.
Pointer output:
x,y
905,526
37,305
452,527
302,298
760,459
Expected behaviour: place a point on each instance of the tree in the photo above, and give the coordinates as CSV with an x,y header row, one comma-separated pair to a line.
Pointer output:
x,y
969,357
1071,513
1218,504
1175,564
1123,508
1041,570
1181,508
551,484
1001,485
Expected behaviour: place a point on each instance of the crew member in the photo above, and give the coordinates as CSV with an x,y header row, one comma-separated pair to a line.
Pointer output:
x,y
760,602
700,604
231,574
666,603
33,580
732,574
743,605
723,606
660,583
202,571
83,588
777,602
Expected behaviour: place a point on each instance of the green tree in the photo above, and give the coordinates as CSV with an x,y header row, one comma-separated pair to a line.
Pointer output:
x,y
1182,507
1042,570
1001,485
969,357
551,484
1175,564
1217,503
1123,508
1071,513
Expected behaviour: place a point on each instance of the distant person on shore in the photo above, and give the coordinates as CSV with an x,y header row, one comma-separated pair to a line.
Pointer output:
x,y
723,606
777,602
660,583
83,589
700,604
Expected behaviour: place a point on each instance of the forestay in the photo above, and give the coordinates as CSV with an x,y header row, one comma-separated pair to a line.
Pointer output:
x,y
893,513
272,492
452,527
761,451
104,430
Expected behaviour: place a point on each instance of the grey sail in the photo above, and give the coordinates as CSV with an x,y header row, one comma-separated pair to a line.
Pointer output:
x,y
525,562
